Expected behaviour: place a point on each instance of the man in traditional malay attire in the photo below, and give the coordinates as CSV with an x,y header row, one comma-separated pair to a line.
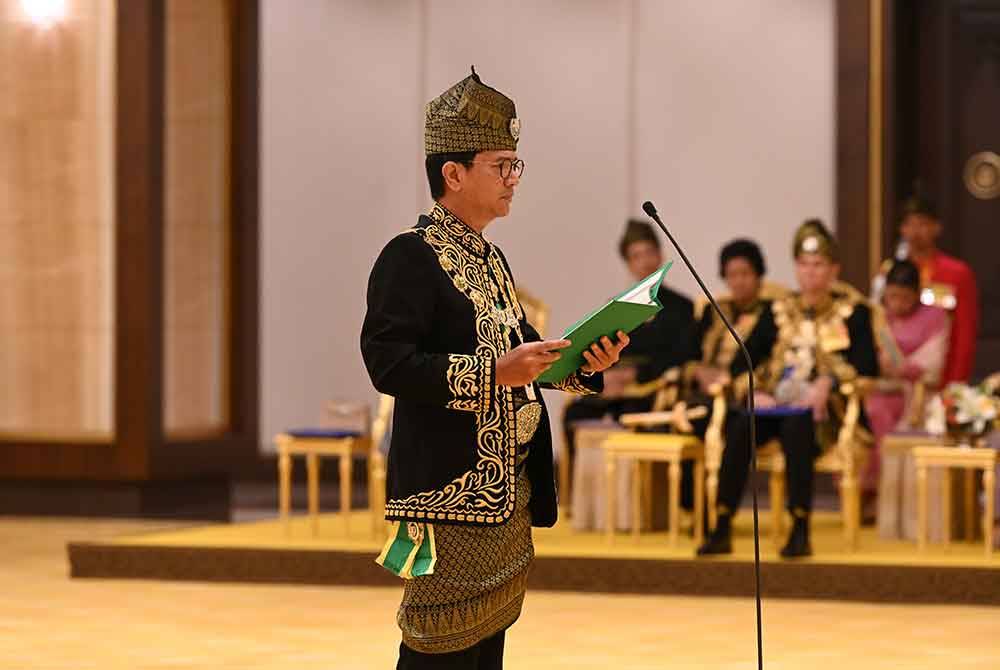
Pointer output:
x,y
470,459
825,340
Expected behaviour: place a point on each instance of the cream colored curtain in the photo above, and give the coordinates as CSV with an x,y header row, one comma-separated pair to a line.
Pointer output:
x,y
56,222
196,217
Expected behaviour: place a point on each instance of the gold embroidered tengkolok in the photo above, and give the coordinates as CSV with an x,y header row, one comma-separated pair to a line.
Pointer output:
x,y
812,237
470,116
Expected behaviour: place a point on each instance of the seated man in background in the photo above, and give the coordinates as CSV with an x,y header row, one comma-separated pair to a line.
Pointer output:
x,y
921,335
716,356
655,346
824,340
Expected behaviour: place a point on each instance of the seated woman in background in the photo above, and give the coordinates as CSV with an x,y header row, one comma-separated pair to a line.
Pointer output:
x,y
921,334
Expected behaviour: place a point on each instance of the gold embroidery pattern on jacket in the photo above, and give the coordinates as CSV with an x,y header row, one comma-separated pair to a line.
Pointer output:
x,y
572,384
815,346
485,494
468,382
719,348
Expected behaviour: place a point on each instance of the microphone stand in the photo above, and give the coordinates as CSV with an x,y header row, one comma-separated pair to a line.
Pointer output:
x,y
650,210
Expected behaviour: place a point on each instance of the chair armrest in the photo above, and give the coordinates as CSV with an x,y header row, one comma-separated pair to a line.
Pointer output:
x,y
852,415
861,387
671,418
671,377
918,405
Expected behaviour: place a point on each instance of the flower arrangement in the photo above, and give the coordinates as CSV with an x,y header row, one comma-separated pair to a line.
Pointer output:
x,y
962,411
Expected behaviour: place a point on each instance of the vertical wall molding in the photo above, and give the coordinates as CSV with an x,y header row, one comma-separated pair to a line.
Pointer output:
x,y
139,182
632,112
875,134
423,46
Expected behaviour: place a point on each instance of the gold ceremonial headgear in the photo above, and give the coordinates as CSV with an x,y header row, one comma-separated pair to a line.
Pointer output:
x,y
470,116
812,237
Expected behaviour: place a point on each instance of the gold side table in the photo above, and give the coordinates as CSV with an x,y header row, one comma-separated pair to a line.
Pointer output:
x,y
969,459
648,448
343,448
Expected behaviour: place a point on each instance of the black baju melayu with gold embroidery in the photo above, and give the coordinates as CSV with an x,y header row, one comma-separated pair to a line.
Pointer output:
x,y
470,462
713,346
470,459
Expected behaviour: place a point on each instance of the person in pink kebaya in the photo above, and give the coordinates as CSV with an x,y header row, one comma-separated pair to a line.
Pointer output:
x,y
921,333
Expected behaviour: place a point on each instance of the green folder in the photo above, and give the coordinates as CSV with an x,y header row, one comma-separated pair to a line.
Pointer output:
x,y
625,312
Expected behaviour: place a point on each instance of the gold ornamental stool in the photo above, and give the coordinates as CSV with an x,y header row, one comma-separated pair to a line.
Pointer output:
x,y
967,458
897,496
648,448
344,445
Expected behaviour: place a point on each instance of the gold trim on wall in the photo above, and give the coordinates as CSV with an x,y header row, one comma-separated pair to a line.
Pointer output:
x,y
875,132
198,311
104,438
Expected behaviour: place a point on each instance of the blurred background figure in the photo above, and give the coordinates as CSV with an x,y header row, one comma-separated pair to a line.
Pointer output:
x,y
945,282
656,346
921,334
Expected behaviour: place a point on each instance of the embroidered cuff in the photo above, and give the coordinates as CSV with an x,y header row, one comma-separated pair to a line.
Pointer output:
x,y
580,385
470,382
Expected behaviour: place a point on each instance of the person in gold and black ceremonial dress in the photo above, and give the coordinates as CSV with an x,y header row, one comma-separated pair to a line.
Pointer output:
x,y
825,341
470,459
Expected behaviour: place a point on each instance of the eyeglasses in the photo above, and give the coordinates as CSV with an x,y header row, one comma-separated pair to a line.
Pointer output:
x,y
508,168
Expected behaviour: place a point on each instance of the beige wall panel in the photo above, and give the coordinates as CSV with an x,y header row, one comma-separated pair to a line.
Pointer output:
x,y
735,124
729,127
340,162
56,222
196,202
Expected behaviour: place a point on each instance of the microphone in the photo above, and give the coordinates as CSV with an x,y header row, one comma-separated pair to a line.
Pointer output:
x,y
650,210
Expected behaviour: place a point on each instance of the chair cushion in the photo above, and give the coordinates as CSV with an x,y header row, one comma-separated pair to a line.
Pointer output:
x,y
782,410
322,433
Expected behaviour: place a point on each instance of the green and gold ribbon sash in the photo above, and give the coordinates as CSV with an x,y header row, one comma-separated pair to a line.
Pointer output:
x,y
410,550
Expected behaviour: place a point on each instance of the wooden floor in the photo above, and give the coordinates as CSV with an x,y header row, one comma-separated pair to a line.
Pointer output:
x,y
49,621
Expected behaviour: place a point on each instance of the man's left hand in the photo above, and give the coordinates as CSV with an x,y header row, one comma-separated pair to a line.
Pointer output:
x,y
604,353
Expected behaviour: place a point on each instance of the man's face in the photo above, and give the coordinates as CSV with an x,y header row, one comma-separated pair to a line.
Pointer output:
x,y
742,280
920,232
815,272
643,258
484,188
899,300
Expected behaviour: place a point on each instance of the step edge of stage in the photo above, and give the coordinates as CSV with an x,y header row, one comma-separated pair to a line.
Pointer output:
x,y
916,584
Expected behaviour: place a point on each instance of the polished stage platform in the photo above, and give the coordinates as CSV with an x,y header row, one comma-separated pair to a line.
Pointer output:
x,y
261,551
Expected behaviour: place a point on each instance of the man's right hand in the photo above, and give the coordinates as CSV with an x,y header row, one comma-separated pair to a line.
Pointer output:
x,y
764,400
522,365
707,377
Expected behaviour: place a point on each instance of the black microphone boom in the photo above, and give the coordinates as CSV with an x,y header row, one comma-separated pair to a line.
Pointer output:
x,y
651,212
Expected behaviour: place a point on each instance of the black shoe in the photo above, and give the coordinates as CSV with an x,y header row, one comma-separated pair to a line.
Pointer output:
x,y
719,542
798,541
